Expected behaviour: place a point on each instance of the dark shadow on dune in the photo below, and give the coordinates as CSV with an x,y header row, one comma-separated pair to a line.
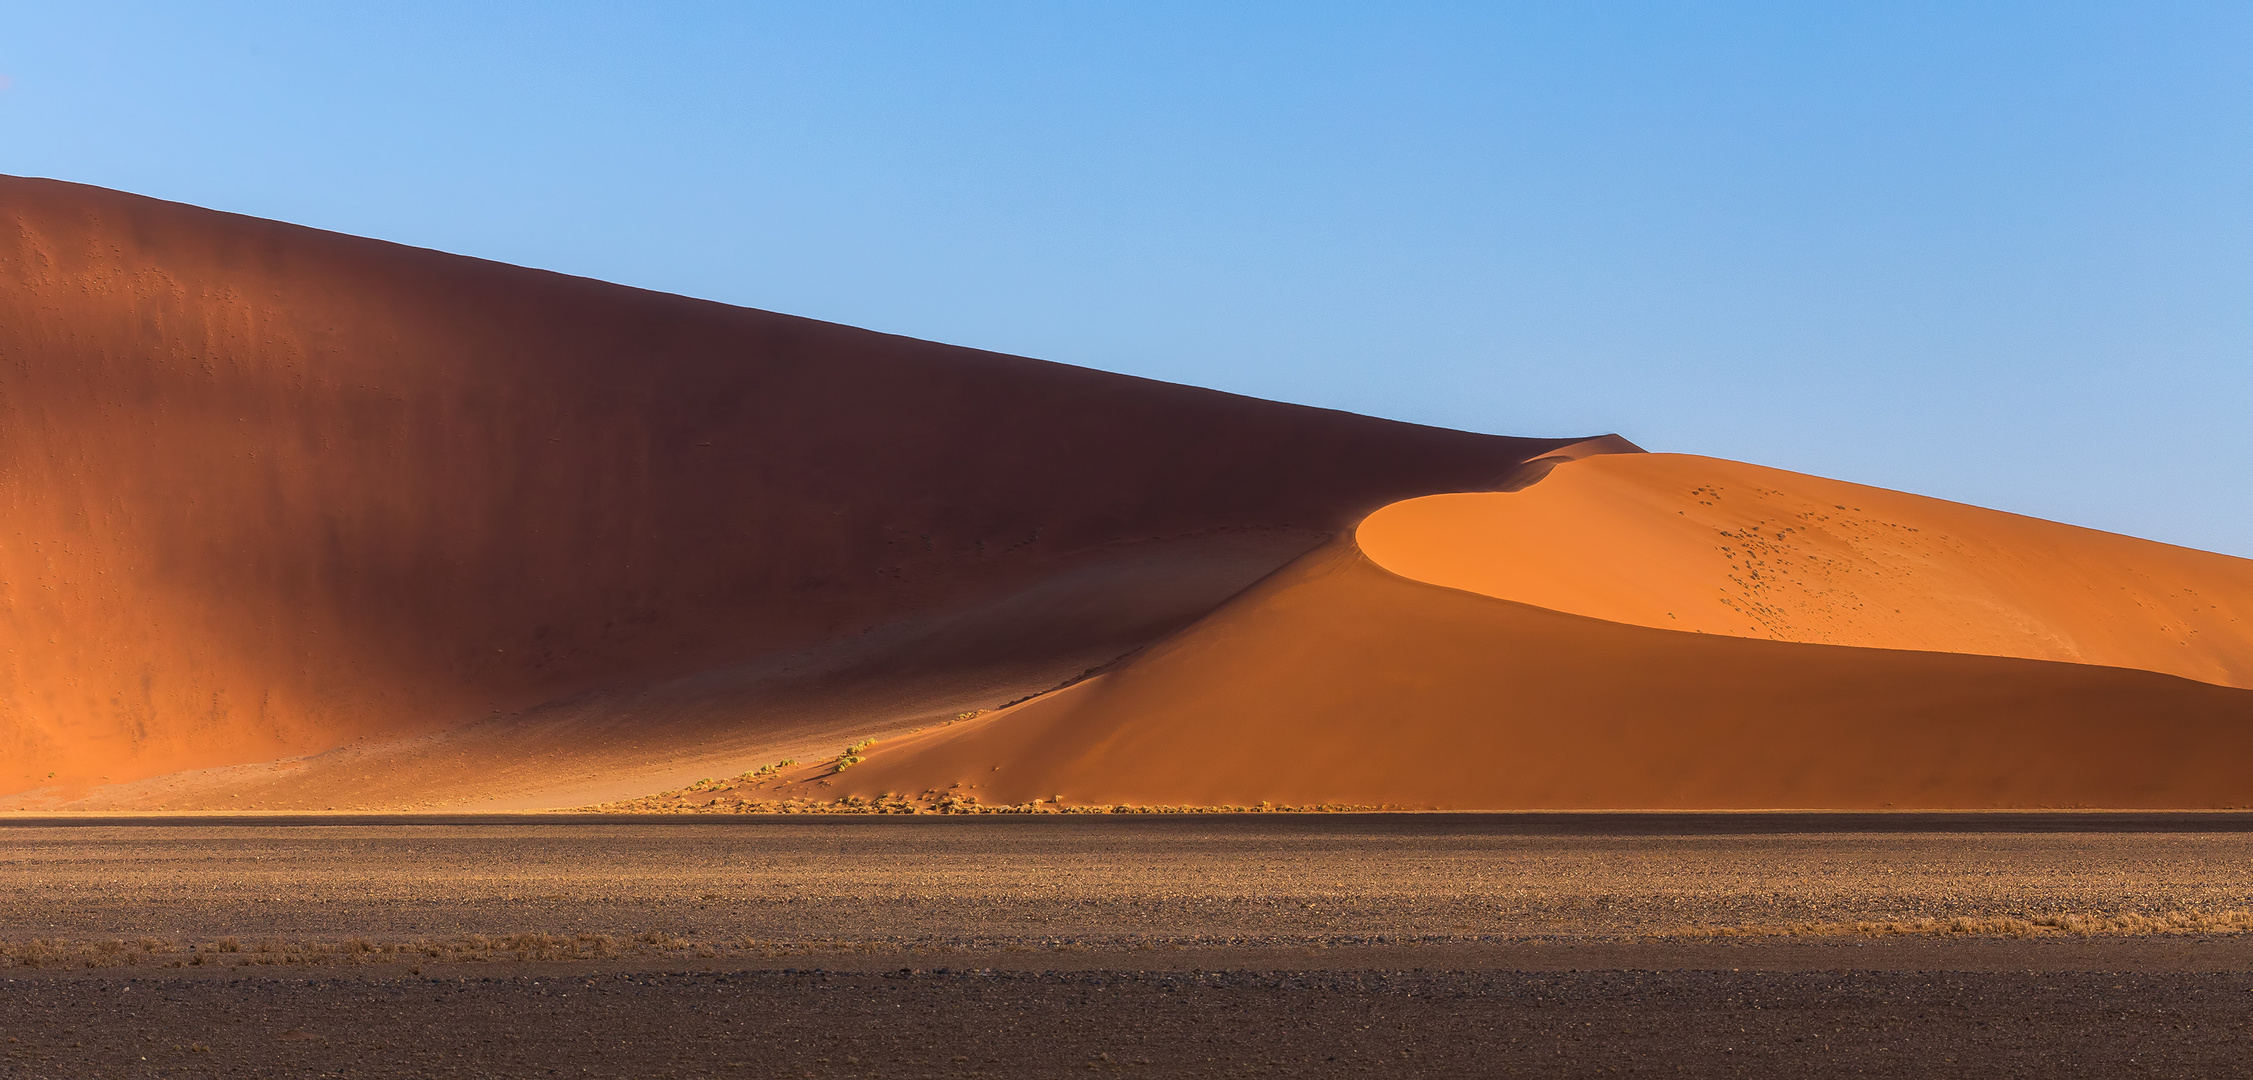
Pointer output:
x,y
310,486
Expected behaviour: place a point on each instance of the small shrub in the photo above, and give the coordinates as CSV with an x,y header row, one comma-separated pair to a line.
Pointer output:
x,y
852,754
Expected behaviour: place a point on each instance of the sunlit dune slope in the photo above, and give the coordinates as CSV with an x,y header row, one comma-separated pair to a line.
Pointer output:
x,y
1721,547
1340,681
266,489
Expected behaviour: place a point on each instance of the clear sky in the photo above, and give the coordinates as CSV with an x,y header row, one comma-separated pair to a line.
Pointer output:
x,y
1995,252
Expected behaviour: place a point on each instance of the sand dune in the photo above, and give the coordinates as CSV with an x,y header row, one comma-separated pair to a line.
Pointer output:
x,y
1721,547
1341,680
270,491
300,520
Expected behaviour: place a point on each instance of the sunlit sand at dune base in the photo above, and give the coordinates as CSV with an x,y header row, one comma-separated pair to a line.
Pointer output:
x,y
1662,631
302,521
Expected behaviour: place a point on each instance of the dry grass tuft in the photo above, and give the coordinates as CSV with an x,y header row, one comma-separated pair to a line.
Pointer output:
x,y
740,796
852,755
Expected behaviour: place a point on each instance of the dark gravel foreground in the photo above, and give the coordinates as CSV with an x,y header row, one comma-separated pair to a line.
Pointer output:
x,y
1044,1024
997,882
1407,945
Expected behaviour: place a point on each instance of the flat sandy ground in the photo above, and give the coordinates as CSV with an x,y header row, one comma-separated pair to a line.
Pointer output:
x,y
1176,946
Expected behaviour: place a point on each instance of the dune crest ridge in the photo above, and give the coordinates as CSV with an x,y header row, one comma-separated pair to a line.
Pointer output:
x,y
1425,673
1704,545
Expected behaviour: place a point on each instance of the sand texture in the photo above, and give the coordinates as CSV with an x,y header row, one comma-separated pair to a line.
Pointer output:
x,y
831,888
270,491
1721,547
1825,645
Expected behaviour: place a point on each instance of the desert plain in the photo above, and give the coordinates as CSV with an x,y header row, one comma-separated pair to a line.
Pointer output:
x,y
415,665
1322,945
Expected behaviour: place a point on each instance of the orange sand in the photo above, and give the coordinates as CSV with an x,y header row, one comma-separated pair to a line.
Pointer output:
x,y
1337,681
296,520
268,490
1720,547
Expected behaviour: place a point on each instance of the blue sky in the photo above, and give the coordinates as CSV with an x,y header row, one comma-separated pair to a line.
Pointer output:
x,y
2000,252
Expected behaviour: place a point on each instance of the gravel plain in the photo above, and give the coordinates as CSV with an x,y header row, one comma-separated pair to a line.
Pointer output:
x,y
1438,945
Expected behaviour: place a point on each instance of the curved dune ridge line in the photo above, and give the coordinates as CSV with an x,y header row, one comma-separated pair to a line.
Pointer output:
x,y
270,491
1721,547
1535,469
1339,681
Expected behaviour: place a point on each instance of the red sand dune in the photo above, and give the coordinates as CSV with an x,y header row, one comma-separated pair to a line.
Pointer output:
x,y
1823,645
1720,547
301,520
269,491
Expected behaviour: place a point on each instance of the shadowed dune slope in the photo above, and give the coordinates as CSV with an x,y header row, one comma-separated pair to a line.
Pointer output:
x,y
1720,547
267,489
1337,681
